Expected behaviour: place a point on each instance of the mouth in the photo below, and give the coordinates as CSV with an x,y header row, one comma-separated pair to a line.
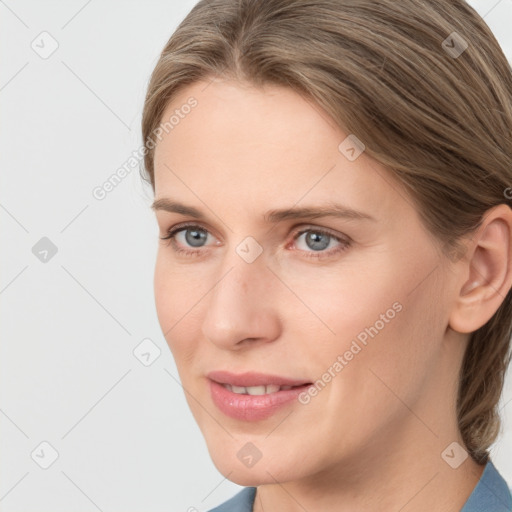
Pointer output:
x,y
253,396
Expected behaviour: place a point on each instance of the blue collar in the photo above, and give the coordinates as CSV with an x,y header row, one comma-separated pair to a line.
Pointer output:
x,y
491,494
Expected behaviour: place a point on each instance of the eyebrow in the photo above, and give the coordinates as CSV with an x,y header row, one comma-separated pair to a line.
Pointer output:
x,y
272,216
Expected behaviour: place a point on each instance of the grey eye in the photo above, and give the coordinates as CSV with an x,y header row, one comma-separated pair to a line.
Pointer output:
x,y
194,237
317,241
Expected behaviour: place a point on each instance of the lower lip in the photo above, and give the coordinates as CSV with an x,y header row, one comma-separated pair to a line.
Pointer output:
x,y
252,407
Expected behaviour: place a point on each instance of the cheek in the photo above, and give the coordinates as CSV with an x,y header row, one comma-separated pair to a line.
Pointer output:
x,y
174,302
399,356
379,319
346,300
177,289
164,294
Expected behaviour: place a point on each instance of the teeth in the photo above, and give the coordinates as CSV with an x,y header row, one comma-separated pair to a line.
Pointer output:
x,y
256,390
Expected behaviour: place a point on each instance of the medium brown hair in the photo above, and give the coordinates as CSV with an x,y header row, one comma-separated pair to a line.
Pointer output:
x,y
386,71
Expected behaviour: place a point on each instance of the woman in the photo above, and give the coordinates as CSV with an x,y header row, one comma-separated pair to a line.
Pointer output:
x,y
331,184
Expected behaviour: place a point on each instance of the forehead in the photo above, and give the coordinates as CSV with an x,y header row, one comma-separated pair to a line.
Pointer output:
x,y
236,119
264,147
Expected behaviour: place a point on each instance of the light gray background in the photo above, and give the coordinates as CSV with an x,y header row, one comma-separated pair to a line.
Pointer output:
x,y
125,437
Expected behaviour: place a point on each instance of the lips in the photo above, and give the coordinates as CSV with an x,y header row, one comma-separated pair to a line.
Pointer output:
x,y
251,379
253,406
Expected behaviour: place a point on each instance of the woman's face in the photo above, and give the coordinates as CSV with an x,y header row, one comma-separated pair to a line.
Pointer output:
x,y
356,303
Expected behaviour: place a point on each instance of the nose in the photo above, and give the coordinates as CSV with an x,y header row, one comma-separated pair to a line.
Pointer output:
x,y
242,306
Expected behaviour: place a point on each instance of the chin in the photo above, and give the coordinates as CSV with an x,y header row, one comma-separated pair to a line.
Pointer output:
x,y
260,474
266,470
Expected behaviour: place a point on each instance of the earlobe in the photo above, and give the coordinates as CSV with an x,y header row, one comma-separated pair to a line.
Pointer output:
x,y
486,272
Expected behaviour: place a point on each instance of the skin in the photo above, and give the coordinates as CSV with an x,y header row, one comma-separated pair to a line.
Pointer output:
x,y
372,439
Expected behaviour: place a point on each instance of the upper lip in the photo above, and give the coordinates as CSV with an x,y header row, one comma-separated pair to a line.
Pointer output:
x,y
248,379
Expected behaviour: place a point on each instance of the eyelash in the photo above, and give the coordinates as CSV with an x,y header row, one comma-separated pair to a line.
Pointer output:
x,y
316,255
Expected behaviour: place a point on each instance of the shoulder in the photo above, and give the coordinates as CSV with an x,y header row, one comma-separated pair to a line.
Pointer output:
x,y
240,502
491,494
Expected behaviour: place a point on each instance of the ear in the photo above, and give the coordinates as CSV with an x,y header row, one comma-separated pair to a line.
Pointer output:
x,y
486,272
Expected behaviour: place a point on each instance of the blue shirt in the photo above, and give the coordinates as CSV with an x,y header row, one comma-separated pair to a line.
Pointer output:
x,y
491,494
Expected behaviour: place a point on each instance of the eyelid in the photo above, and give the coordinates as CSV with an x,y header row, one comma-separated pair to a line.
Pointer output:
x,y
187,224
308,227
